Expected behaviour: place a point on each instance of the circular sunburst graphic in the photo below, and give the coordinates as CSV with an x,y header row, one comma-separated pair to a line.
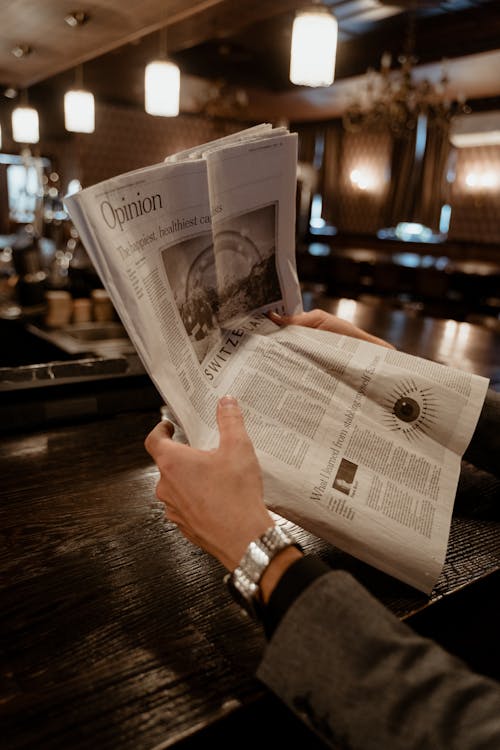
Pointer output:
x,y
410,409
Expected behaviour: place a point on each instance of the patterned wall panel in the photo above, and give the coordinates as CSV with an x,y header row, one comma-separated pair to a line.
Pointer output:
x,y
357,187
126,139
363,181
475,195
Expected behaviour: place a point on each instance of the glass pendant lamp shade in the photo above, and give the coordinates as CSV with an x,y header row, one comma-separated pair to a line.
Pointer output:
x,y
162,81
25,125
79,111
314,48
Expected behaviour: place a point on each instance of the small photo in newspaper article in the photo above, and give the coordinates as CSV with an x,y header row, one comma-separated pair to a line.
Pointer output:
x,y
345,476
245,259
190,270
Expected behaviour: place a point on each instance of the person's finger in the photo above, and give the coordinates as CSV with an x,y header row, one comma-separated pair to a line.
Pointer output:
x,y
161,432
311,319
167,418
321,320
276,317
230,421
168,425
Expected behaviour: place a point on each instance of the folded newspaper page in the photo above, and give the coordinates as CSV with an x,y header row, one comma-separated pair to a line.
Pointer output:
x,y
359,444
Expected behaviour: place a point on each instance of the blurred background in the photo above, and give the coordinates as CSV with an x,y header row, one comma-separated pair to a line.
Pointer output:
x,y
398,181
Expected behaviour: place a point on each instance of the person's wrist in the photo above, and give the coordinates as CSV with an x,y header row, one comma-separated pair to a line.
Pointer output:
x,y
276,569
239,544
244,583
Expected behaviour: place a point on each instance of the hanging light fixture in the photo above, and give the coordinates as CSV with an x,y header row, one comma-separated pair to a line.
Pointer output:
x,y
25,127
79,111
79,107
162,81
314,47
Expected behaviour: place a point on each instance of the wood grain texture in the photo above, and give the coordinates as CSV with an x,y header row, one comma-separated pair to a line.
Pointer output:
x,y
115,631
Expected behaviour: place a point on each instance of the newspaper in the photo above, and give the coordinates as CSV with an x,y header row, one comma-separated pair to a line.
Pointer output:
x,y
359,444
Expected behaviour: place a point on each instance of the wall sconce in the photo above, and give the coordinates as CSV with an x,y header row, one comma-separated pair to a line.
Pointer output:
x,y
360,179
481,181
25,127
366,179
162,83
314,47
79,107
476,129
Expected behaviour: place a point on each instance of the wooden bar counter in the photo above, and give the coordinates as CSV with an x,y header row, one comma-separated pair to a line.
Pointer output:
x,y
116,632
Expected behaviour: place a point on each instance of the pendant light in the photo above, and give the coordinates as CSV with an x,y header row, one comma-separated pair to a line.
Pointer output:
x,y
314,47
25,125
79,107
162,84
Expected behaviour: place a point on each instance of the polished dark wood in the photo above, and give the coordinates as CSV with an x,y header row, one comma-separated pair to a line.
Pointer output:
x,y
115,631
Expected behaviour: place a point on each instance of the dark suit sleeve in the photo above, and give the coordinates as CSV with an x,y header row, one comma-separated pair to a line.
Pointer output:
x,y
364,680
484,448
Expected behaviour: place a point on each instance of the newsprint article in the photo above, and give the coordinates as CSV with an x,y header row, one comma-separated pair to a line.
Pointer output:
x,y
359,444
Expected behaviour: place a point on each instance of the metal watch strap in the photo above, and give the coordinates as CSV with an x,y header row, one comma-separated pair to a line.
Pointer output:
x,y
243,582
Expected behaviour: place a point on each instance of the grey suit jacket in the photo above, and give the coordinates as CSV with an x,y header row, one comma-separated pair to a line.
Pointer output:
x,y
364,680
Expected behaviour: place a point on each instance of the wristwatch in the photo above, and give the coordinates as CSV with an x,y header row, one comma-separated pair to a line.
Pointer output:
x,y
243,582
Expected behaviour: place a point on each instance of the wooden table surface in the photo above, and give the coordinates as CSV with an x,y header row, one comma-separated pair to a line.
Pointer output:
x,y
115,631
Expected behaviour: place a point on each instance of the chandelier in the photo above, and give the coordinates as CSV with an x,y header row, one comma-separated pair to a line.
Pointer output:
x,y
223,100
394,99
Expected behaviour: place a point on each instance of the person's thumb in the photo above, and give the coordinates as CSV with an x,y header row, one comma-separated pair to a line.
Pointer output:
x,y
230,420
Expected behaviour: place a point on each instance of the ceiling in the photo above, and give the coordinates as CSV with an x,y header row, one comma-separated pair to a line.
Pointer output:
x,y
243,44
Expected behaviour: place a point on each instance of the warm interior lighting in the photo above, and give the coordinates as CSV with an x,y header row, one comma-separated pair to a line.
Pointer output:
x,y
363,179
162,88
454,341
346,309
476,129
469,140
21,50
74,186
25,125
77,18
0,136
79,111
314,47
413,231
481,180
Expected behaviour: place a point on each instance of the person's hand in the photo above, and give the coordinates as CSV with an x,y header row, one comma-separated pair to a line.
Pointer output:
x,y
324,321
215,497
